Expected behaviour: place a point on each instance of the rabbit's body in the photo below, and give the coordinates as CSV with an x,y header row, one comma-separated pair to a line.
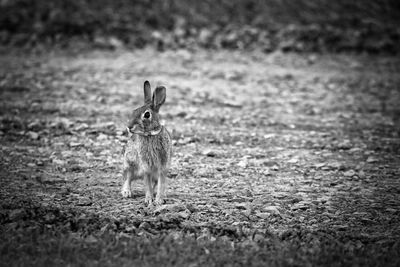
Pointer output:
x,y
149,148
148,153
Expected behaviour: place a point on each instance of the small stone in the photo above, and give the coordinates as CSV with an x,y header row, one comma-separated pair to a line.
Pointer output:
x,y
371,159
301,206
320,165
33,135
144,225
184,141
232,104
75,144
82,126
335,165
263,215
102,137
209,153
242,164
361,174
34,124
184,214
268,136
275,167
266,172
67,153
241,206
355,150
345,144
58,161
272,209
108,42
349,173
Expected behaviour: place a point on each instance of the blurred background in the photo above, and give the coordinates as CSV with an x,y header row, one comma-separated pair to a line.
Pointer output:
x,y
269,25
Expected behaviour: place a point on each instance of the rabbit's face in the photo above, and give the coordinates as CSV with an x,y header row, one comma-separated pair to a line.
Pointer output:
x,y
144,119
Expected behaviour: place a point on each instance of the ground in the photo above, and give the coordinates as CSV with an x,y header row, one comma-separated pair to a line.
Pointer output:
x,y
280,159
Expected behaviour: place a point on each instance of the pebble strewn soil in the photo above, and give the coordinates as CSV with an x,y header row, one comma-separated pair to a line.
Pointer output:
x,y
295,156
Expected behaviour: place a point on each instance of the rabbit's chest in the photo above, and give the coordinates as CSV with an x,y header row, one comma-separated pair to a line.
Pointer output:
x,y
146,157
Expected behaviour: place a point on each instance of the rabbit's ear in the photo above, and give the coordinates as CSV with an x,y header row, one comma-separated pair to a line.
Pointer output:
x,y
147,92
159,97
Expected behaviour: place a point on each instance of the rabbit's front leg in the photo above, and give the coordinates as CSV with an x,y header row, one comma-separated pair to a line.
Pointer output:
x,y
161,188
148,187
126,187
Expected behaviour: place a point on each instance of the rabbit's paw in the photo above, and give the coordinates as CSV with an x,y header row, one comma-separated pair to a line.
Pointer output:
x,y
126,192
148,200
159,201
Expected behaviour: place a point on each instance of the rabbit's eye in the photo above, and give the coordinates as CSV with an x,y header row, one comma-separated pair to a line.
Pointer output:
x,y
147,115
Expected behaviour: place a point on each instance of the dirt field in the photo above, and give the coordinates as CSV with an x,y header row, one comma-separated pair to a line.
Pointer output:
x,y
283,159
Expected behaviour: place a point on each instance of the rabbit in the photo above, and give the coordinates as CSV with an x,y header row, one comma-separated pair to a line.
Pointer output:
x,y
148,151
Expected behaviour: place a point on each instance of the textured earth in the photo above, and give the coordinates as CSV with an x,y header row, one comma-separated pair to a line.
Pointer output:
x,y
283,159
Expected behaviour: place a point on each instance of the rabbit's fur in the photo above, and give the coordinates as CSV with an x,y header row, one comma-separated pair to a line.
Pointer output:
x,y
149,148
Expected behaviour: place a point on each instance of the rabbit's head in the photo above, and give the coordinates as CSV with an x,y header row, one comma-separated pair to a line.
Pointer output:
x,y
145,118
